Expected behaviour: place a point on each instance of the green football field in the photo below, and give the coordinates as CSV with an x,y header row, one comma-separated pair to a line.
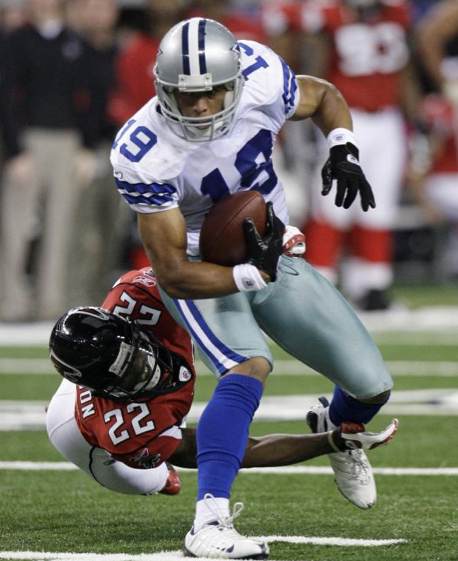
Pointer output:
x,y
49,512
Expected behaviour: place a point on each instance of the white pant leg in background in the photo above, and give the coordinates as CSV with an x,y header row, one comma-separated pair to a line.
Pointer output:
x,y
65,436
19,224
56,153
383,152
382,146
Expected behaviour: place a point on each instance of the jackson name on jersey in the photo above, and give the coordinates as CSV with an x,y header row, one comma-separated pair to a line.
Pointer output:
x,y
155,170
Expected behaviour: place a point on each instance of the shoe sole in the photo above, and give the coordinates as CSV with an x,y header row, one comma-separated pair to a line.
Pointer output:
x,y
351,502
187,553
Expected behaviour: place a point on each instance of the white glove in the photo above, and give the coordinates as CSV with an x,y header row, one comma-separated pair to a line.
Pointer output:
x,y
293,242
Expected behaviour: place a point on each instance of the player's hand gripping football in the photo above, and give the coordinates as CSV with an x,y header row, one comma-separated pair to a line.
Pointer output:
x,y
343,166
265,252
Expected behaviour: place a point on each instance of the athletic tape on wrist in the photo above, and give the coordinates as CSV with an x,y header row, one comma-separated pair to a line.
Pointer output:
x,y
247,278
341,136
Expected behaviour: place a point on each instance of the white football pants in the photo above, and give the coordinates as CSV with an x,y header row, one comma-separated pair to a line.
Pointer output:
x,y
64,434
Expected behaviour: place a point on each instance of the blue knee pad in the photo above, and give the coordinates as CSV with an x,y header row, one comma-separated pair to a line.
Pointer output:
x,y
343,407
222,433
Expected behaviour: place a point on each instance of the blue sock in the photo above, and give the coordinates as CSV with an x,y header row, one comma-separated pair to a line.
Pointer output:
x,y
222,433
343,407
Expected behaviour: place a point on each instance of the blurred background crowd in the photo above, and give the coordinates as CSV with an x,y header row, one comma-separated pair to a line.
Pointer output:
x,y
73,71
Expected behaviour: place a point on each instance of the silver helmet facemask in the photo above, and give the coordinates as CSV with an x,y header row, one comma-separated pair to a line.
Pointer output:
x,y
198,55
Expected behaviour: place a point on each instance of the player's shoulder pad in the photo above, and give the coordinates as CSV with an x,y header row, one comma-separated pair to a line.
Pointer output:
x,y
268,78
143,151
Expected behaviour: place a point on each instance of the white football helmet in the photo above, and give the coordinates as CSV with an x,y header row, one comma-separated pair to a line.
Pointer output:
x,y
195,56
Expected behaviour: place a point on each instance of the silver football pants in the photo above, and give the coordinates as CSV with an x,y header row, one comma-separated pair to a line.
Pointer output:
x,y
303,313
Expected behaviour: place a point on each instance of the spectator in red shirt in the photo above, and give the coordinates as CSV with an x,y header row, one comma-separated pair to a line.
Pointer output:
x,y
135,63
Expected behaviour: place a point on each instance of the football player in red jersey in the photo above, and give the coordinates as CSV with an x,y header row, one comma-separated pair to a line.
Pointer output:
x,y
369,63
128,385
361,46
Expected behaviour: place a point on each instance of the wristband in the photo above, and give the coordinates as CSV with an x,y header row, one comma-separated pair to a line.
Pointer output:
x,y
248,278
341,136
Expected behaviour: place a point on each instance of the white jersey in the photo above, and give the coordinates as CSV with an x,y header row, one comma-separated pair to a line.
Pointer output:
x,y
155,170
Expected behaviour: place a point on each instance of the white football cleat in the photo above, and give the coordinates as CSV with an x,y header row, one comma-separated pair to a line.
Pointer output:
x,y
352,470
219,539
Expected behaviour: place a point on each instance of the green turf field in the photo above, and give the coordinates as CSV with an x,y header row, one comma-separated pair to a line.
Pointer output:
x,y
66,512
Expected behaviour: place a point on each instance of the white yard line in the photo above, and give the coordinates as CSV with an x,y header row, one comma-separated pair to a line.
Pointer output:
x,y
51,556
25,334
345,542
174,555
26,366
436,320
425,368
30,415
284,470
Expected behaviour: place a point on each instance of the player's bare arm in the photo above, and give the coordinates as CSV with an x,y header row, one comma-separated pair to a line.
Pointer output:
x,y
411,94
262,451
432,36
323,103
164,237
286,449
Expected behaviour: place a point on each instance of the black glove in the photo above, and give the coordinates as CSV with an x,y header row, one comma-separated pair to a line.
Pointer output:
x,y
343,166
265,252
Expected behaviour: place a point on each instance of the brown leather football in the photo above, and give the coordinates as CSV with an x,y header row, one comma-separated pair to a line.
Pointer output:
x,y
222,240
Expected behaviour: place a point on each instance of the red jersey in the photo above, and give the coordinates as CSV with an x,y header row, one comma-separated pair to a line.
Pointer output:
x,y
134,75
144,433
367,56
442,116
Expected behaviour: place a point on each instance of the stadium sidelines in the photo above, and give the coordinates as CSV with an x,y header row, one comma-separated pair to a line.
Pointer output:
x,y
434,319
281,367
283,470
30,415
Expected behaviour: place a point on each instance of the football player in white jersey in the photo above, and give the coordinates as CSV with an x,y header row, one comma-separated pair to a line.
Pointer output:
x,y
208,133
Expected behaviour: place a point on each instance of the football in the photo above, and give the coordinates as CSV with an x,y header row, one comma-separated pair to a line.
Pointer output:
x,y
222,240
